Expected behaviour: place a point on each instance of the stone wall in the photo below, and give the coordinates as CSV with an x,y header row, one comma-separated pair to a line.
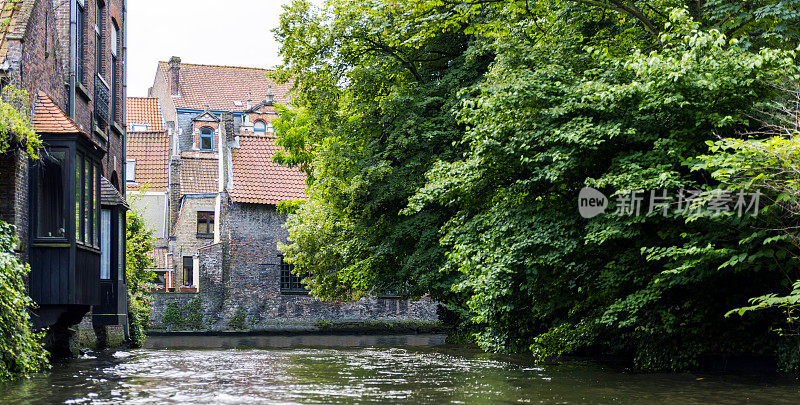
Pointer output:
x,y
240,283
186,241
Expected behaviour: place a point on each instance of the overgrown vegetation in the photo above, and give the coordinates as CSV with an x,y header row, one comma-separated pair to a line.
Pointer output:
x,y
138,262
446,143
16,127
21,352
237,321
184,317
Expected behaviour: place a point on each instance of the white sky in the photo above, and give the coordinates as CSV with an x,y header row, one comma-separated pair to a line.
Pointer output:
x,y
229,32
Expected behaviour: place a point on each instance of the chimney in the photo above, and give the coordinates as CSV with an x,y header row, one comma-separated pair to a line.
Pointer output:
x,y
173,75
227,121
269,96
249,99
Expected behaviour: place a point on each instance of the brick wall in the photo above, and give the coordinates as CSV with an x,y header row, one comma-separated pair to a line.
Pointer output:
x,y
242,274
185,239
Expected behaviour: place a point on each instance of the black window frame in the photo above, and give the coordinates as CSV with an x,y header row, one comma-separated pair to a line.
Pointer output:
x,y
81,45
207,221
114,71
187,270
289,282
87,200
210,137
65,197
98,32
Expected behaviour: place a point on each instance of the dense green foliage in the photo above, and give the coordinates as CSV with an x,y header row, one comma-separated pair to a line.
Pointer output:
x,y
16,127
184,317
138,246
446,144
21,352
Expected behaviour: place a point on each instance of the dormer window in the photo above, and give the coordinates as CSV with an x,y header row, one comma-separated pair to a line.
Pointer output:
x,y
260,128
206,138
137,127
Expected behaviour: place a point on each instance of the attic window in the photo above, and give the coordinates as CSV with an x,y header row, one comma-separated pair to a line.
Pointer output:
x,y
206,139
237,103
130,171
260,128
139,127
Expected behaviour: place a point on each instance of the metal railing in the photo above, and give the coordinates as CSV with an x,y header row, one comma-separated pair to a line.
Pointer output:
x,y
102,98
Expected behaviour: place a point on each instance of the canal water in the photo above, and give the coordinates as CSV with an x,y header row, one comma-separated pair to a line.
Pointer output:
x,y
364,369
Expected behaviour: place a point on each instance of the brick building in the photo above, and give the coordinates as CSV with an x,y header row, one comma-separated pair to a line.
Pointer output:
x,y
68,205
221,200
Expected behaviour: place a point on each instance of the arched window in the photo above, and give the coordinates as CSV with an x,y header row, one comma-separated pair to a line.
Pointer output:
x,y
206,138
260,128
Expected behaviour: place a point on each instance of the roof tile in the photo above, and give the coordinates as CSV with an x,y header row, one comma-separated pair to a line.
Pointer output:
x,y
199,173
259,180
150,150
49,118
218,87
144,110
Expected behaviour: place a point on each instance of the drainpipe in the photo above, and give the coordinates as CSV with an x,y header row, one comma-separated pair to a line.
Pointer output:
x,y
124,185
73,54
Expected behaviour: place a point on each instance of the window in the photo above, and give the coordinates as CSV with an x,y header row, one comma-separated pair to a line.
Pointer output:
x,y
188,270
98,36
81,45
137,127
114,71
130,171
105,245
206,139
50,195
260,128
96,205
205,223
121,247
87,201
79,198
289,280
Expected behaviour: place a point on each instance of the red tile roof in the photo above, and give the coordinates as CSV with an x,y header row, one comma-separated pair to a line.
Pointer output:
x,y
150,150
49,118
257,179
144,110
199,174
219,86
14,16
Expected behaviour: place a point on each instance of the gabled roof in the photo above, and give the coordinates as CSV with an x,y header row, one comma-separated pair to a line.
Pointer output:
x,y
49,118
150,150
219,86
266,106
259,180
144,110
109,194
207,116
14,16
199,173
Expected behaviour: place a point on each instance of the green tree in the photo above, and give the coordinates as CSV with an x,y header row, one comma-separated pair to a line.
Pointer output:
x,y
448,142
16,126
138,262
21,352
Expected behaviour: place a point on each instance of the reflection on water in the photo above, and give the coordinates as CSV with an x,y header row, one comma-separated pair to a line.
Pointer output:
x,y
441,374
232,341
